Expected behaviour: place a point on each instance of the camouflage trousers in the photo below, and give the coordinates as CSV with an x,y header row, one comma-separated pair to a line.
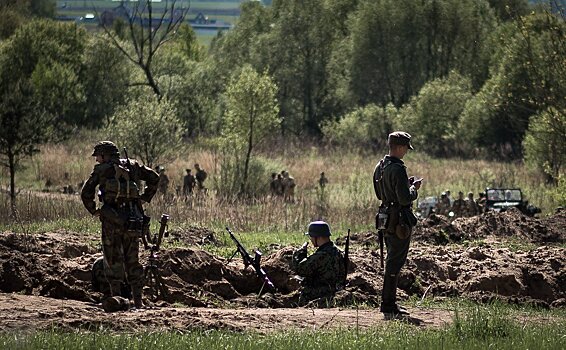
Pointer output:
x,y
121,259
323,294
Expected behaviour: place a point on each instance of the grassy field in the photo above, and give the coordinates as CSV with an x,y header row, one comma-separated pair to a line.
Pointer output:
x,y
493,326
347,202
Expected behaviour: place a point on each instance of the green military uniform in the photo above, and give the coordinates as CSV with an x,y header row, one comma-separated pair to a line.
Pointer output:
x,y
392,187
121,214
324,271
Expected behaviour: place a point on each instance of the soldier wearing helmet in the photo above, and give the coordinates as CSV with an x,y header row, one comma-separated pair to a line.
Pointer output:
x,y
121,215
324,271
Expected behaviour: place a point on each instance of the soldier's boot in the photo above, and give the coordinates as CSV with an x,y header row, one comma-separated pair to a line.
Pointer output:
x,y
389,306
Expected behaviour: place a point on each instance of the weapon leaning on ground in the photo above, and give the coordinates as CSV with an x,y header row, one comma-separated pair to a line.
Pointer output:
x,y
153,279
255,262
346,258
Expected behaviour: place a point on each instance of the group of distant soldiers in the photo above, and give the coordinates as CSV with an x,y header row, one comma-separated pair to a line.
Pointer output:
x,y
191,183
460,207
283,185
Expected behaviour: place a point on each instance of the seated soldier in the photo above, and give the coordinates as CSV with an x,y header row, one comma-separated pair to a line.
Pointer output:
x,y
324,271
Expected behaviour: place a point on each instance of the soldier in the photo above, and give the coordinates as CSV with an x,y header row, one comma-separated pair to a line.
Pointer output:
x,y
273,185
324,271
189,182
121,215
322,181
163,184
481,202
200,176
443,205
288,187
279,185
459,205
450,200
397,192
471,205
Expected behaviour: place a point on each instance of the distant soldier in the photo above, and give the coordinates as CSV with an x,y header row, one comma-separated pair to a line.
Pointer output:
x,y
279,185
273,185
121,215
189,183
481,202
324,271
288,187
200,176
442,207
471,205
163,181
322,181
459,205
450,200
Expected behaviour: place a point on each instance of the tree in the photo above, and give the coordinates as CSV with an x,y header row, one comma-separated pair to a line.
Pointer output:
x,y
432,117
17,12
38,86
148,31
149,128
544,143
251,115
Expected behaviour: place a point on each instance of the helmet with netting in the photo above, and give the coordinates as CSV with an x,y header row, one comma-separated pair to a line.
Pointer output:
x,y
105,148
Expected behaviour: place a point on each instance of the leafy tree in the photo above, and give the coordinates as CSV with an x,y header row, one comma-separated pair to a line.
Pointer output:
x,y
432,117
507,10
148,127
397,46
544,143
364,127
251,115
17,12
105,78
528,77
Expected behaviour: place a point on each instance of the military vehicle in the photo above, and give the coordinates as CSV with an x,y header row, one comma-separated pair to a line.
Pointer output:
x,y
501,199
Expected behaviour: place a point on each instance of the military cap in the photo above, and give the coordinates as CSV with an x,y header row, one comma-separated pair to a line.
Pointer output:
x,y
318,229
400,138
105,147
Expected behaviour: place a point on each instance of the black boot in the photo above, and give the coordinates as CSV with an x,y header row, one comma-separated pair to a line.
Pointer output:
x,y
389,305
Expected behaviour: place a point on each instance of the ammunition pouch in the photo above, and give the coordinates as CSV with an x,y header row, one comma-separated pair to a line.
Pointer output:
x,y
400,220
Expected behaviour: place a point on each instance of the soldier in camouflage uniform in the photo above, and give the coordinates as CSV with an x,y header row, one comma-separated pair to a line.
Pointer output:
x,y
324,271
121,215
397,192
459,207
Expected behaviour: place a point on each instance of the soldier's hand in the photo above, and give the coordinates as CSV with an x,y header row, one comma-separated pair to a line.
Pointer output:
x,y
417,183
96,213
304,246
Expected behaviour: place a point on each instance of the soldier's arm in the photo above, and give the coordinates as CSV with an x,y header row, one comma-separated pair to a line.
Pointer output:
x,y
151,179
88,191
405,193
311,266
298,256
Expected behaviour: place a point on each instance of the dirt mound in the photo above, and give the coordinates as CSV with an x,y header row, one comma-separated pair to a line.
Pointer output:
x,y
512,223
192,236
58,265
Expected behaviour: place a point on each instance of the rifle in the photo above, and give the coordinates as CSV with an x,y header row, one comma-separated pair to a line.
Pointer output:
x,y
380,226
346,258
154,280
255,262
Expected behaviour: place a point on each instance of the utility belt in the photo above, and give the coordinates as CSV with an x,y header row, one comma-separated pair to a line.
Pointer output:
x,y
126,216
392,218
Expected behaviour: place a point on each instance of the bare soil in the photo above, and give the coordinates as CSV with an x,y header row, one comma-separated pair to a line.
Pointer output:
x,y
45,278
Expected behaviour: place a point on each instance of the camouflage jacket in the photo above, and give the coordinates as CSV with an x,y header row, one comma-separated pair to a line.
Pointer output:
x,y
118,182
391,183
324,269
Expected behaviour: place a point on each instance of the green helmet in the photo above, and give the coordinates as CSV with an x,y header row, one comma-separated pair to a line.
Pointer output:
x,y
318,229
105,148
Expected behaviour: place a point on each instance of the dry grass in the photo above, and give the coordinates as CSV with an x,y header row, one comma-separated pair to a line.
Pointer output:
x,y
348,200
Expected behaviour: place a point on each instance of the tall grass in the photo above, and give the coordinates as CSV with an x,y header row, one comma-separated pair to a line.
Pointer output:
x,y
347,202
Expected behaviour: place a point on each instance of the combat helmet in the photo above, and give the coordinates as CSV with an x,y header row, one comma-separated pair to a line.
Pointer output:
x,y
318,229
105,148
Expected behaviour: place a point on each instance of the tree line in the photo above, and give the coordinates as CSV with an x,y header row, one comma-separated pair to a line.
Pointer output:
x,y
469,78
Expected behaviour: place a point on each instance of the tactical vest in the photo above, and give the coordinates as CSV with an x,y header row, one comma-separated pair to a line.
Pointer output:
x,y
119,182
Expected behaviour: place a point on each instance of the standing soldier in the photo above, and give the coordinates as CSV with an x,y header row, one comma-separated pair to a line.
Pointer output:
x,y
200,176
163,184
273,185
322,181
288,187
459,205
471,205
324,271
121,215
188,183
397,192
481,202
